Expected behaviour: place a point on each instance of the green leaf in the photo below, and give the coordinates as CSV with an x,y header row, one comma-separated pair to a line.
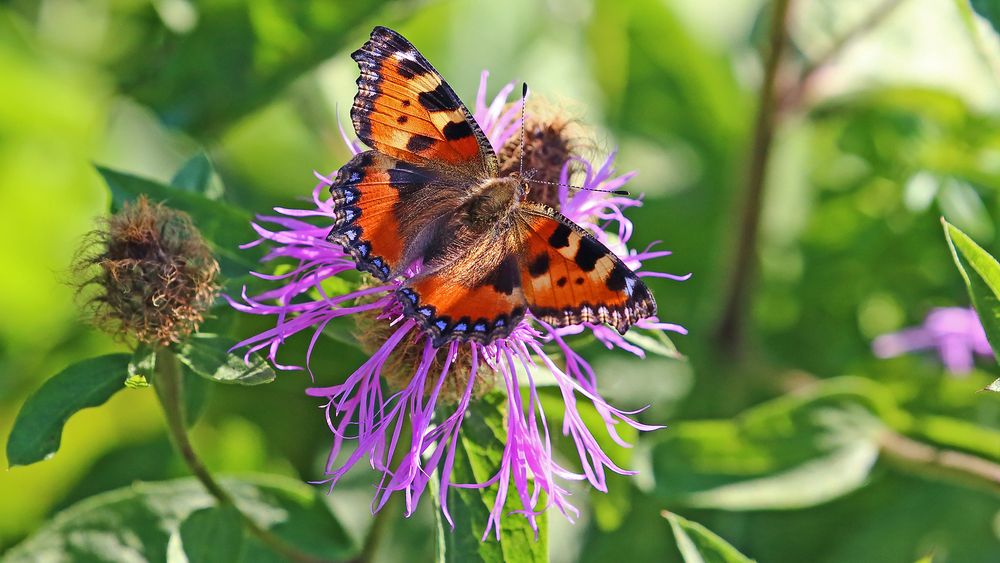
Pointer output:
x,y
142,369
478,456
239,57
225,227
982,277
208,356
38,428
147,521
792,452
212,535
196,176
698,544
989,10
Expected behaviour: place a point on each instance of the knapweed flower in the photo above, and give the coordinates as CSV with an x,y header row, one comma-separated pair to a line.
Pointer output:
x,y
433,387
147,274
954,332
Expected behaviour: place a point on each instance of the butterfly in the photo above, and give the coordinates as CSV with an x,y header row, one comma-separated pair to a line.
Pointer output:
x,y
428,195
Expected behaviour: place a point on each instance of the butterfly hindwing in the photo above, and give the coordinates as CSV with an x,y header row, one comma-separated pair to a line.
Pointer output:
x,y
381,206
569,277
406,110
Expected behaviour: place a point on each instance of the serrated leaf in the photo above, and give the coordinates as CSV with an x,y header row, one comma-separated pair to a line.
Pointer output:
x,y
212,535
208,356
224,226
982,278
480,451
38,428
143,521
698,544
195,175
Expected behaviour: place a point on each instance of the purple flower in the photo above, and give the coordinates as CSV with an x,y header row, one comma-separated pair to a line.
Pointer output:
x,y
360,411
955,332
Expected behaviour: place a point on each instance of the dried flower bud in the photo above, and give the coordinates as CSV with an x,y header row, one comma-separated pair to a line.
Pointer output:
x,y
147,274
549,146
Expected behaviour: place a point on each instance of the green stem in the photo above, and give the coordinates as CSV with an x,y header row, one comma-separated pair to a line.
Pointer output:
x,y
924,459
169,386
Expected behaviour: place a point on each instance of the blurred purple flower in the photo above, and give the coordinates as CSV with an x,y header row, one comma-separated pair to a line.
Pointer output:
x,y
361,411
955,332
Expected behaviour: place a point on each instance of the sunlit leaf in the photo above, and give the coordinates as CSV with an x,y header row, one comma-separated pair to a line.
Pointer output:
x,y
698,544
789,453
147,520
38,428
982,277
208,355
480,450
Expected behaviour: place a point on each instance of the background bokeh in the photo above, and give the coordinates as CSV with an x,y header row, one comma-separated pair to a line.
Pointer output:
x,y
779,446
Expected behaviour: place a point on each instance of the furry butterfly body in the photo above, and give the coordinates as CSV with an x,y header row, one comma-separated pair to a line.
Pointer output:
x,y
429,194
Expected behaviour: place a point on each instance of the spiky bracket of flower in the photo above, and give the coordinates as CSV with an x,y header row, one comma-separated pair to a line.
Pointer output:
x,y
432,388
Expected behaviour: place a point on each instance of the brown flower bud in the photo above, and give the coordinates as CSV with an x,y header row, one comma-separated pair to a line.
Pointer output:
x,y
548,147
146,274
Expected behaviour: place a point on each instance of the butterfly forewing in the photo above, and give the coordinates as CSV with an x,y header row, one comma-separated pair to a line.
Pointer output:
x,y
406,110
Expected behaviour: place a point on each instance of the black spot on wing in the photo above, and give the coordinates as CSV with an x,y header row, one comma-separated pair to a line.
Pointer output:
x,y
409,68
402,120
418,143
616,279
457,130
438,99
539,265
505,278
560,237
589,252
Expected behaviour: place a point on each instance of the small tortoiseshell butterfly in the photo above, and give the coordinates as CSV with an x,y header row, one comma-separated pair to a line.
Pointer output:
x,y
430,193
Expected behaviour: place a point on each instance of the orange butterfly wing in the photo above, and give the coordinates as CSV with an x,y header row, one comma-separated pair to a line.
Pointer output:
x,y
381,207
569,277
406,110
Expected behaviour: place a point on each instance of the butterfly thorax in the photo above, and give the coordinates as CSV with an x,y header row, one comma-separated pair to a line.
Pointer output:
x,y
492,202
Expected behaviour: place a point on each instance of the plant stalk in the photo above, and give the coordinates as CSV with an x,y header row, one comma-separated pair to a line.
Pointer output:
x,y
729,333
169,386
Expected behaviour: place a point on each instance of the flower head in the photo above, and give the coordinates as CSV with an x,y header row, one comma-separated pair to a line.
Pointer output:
x,y
433,387
954,332
147,274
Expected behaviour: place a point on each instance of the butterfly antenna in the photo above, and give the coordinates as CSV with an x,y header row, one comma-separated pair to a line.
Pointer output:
x,y
524,95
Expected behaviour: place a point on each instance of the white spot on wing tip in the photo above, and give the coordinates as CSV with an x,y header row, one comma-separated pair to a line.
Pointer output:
x,y
629,285
408,55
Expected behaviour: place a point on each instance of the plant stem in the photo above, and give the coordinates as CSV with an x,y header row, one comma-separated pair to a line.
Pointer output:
x,y
773,101
870,21
729,334
954,465
169,386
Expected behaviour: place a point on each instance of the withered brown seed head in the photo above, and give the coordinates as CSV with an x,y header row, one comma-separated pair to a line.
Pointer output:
x,y
146,274
548,146
399,369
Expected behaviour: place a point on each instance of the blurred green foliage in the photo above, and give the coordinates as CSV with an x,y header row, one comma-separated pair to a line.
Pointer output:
x,y
800,451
